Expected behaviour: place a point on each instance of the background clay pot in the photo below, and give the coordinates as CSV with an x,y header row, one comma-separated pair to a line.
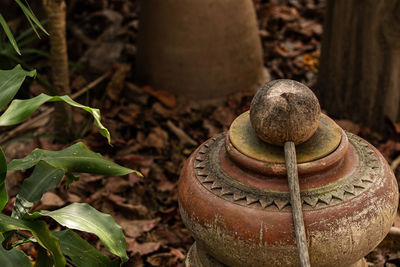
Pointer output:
x,y
200,49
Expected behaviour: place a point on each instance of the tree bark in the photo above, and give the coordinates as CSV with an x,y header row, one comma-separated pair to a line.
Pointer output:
x,y
359,76
56,11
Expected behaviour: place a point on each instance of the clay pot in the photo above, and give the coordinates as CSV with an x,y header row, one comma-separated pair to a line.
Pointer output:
x,y
234,199
199,49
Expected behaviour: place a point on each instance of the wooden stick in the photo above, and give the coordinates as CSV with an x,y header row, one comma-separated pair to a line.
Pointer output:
x,y
293,180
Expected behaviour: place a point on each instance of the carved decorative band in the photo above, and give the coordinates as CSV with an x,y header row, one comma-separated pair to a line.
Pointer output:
x,y
214,179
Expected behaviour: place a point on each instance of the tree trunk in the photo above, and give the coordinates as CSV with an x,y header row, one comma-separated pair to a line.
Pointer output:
x,y
359,76
56,11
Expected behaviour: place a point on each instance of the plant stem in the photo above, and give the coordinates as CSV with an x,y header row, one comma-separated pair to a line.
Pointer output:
x,y
56,10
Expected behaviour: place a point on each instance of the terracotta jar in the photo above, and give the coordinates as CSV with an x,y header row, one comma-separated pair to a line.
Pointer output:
x,y
234,199
199,49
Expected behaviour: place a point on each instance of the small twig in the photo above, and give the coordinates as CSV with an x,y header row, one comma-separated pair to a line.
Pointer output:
x,y
183,137
294,187
26,125
91,85
395,163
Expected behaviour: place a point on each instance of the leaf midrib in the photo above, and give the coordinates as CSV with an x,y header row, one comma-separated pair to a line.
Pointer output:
x,y
5,83
39,185
78,218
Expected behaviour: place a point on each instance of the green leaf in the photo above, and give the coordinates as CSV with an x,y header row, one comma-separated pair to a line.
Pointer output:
x,y
44,177
21,207
19,110
76,158
42,259
81,216
81,252
3,197
36,52
70,178
10,82
51,167
28,33
9,34
3,174
13,257
31,17
40,232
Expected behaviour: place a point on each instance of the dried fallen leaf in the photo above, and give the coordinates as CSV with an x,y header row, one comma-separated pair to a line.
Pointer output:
x,y
117,184
211,128
135,178
310,27
349,126
389,149
162,259
141,248
164,97
134,161
78,82
157,138
178,253
116,84
166,186
119,202
51,200
161,110
282,12
135,95
184,138
73,198
135,260
128,116
224,116
167,235
135,228
311,61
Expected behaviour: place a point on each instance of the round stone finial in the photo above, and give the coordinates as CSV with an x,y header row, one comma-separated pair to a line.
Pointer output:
x,y
284,110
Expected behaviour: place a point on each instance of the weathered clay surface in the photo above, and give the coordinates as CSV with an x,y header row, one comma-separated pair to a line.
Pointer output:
x,y
284,110
197,257
346,215
324,141
200,49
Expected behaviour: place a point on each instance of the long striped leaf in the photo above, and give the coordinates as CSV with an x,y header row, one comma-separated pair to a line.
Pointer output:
x,y
76,158
80,251
19,110
9,34
51,167
40,231
13,257
44,177
3,174
10,82
31,18
81,216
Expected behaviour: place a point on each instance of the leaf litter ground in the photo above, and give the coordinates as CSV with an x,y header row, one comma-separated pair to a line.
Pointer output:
x,y
154,133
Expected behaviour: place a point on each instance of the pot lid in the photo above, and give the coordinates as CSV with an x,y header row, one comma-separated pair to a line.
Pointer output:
x,y
322,142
